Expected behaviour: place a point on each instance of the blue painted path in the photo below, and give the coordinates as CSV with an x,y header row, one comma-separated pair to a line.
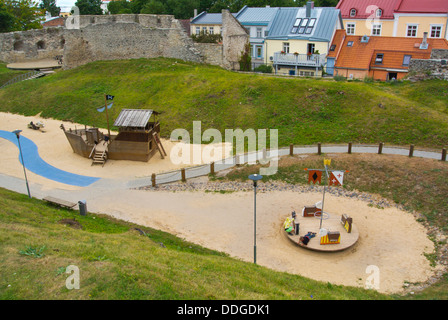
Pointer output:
x,y
35,164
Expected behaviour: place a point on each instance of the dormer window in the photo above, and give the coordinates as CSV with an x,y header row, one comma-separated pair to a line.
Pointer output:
x,y
352,12
379,58
379,13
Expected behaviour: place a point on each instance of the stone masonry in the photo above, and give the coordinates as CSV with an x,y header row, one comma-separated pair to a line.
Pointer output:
x,y
85,39
434,68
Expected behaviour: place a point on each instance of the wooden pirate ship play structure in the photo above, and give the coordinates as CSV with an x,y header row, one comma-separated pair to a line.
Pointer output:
x,y
138,138
337,234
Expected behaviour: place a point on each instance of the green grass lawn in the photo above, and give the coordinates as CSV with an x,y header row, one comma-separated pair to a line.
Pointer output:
x,y
117,262
305,111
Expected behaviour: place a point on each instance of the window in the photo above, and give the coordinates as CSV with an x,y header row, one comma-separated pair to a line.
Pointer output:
x,y
376,30
350,44
286,47
204,29
406,60
310,26
259,33
198,30
333,47
259,52
352,12
379,58
211,30
350,28
436,31
411,31
378,13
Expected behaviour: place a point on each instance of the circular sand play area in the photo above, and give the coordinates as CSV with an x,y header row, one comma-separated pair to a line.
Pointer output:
x,y
391,241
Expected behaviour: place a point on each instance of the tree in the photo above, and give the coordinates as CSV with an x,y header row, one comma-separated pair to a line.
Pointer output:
x,y
154,7
118,7
89,7
6,18
50,6
20,15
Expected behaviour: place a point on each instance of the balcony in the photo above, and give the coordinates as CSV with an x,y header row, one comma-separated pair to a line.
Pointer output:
x,y
299,60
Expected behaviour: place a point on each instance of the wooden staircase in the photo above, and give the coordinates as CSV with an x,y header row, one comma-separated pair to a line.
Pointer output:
x,y
98,156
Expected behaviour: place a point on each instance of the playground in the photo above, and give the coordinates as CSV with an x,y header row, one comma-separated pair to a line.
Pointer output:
x,y
388,238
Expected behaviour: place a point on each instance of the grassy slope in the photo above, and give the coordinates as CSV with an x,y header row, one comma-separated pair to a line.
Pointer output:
x,y
8,74
116,262
304,111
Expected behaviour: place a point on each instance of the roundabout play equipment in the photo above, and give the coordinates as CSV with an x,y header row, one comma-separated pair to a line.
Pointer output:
x,y
339,233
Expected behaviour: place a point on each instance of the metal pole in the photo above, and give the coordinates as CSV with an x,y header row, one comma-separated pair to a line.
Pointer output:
x,y
255,222
323,199
23,164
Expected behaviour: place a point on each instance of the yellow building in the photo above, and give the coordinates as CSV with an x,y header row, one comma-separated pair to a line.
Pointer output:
x,y
298,39
210,23
395,18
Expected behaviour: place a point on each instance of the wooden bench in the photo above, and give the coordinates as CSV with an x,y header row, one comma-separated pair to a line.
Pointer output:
x,y
60,202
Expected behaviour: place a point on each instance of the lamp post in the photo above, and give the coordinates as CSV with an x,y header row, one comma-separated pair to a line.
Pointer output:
x,y
255,178
17,133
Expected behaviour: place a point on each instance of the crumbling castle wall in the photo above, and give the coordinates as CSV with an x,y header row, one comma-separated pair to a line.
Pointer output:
x,y
85,39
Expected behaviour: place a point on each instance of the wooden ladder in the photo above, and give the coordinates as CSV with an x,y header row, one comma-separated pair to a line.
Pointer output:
x,y
99,157
159,145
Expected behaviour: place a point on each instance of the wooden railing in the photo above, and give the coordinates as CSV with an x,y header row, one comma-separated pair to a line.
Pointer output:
x,y
291,59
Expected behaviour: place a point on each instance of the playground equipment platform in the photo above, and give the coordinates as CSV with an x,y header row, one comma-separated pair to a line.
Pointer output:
x,y
331,223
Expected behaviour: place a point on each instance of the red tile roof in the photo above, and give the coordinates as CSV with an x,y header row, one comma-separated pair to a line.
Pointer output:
x,y
422,6
361,56
366,8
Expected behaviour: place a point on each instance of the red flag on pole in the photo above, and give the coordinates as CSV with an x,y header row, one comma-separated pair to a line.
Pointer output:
x,y
336,178
314,176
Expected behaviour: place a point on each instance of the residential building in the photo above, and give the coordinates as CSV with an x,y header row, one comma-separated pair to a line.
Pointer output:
x,y
413,17
256,21
381,58
298,39
207,23
395,18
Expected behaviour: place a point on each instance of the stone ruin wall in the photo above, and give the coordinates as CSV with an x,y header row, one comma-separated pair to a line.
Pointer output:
x,y
434,68
86,39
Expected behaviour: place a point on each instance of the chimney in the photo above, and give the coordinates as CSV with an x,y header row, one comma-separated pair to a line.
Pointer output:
x,y
195,13
424,44
309,7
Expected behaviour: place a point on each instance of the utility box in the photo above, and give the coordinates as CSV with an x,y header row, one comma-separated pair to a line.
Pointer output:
x,y
82,207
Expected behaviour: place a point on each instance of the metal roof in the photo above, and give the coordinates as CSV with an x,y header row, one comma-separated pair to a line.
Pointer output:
x,y
207,18
323,30
256,16
137,118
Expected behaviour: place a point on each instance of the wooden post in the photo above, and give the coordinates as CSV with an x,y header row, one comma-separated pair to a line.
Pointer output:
x,y
212,168
444,154
107,115
349,147
291,149
319,150
153,179
182,171
380,148
411,150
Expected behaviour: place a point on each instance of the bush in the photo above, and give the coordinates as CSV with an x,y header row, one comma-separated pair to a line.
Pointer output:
x,y
264,68
204,37
339,78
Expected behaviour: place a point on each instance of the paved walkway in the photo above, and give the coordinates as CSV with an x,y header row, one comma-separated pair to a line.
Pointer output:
x,y
35,164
